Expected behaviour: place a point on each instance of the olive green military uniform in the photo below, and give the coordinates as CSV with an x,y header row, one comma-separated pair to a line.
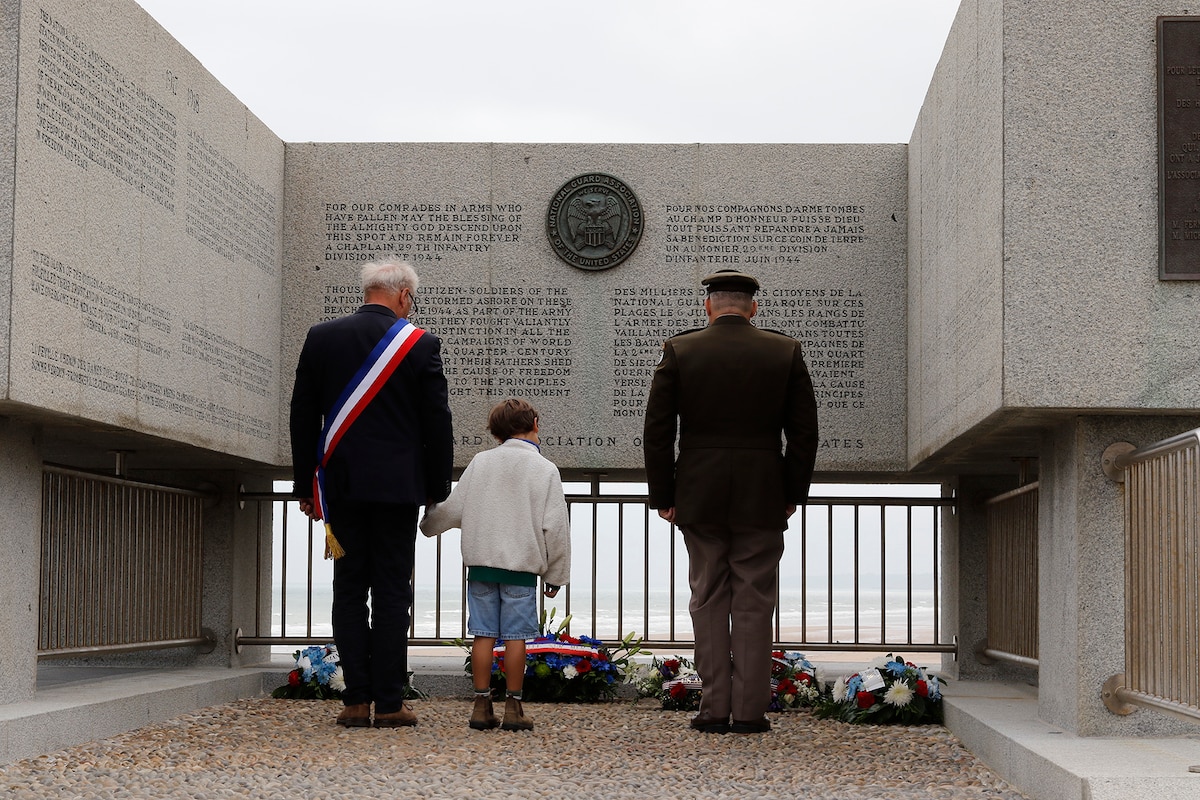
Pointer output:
x,y
741,400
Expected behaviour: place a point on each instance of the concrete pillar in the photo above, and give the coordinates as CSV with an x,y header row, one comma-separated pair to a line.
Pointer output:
x,y
20,542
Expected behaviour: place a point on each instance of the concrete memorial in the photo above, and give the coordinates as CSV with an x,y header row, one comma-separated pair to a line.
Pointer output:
x,y
526,307
983,297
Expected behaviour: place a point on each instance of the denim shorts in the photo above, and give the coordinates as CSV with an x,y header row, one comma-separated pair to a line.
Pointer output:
x,y
501,610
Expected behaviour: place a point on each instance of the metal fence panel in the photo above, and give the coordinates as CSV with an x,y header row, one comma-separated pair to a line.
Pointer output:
x,y
120,565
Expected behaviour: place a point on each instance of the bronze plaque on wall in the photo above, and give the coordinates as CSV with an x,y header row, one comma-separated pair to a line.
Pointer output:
x,y
1179,148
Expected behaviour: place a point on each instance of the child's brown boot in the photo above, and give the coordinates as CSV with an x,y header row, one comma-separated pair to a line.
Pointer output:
x,y
483,718
514,716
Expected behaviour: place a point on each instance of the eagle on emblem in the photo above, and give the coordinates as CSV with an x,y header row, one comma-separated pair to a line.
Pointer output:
x,y
590,220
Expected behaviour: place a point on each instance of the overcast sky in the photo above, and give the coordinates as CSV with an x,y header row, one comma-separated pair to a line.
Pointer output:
x,y
546,71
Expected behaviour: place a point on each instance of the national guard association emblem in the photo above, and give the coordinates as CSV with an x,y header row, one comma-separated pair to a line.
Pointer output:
x,y
594,221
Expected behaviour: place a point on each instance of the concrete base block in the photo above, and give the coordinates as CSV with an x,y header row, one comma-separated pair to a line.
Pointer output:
x,y
999,723
81,711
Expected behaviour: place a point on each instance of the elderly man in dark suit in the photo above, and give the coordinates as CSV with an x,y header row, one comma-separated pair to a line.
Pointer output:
x,y
742,403
394,455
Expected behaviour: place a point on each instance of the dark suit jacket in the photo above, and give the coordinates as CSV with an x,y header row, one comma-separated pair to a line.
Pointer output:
x,y
733,393
401,448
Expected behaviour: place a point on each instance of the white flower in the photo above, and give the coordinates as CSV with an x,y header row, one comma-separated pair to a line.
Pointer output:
x,y
569,672
839,690
337,681
898,694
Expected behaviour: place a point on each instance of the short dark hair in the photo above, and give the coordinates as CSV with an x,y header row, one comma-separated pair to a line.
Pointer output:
x,y
510,417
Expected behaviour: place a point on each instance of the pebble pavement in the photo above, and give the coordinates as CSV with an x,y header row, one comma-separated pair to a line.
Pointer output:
x,y
290,749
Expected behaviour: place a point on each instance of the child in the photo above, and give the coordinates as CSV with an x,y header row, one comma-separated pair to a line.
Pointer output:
x,y
515,527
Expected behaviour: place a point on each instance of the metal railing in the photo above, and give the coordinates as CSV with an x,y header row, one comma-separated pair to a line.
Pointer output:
x,y
860,574
120,565
1162,571
1012,575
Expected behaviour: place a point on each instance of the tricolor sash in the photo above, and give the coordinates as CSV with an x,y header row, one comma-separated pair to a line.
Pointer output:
x,y
363,387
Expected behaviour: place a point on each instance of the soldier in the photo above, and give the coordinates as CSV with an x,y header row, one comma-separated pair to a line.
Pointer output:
x,y
742,403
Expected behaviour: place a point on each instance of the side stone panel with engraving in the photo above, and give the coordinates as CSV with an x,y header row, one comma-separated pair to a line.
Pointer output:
x,y
148,237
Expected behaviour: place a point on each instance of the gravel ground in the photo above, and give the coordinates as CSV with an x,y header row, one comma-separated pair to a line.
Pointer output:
x,y
289,749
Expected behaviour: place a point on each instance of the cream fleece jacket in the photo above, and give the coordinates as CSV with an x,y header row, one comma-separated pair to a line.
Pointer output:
x,y
510,506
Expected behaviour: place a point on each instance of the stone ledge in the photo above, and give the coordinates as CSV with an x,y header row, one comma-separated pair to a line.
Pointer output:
x,y
998,722
97,708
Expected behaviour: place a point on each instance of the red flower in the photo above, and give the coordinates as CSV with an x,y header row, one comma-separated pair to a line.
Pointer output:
x,y
294,678
678,691
865,699
805,678
786,687
671,664
583,665
922,689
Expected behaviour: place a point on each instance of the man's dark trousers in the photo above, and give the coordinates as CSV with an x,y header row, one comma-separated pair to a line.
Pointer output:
x,y
379,540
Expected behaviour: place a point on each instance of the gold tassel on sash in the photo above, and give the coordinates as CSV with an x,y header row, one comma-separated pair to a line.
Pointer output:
x,y
333,550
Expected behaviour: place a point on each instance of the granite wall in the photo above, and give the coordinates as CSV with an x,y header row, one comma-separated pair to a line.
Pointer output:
x,y
146,235
821,226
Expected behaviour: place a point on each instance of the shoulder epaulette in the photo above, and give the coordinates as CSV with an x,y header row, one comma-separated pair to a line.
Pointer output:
x,y
685,333
771,330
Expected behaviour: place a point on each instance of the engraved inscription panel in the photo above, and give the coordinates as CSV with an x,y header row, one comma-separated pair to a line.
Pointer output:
x,y
147,237
1179,147
582,345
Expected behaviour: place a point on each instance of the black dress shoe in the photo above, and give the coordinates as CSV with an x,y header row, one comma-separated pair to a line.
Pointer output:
x,y
755,726
706,724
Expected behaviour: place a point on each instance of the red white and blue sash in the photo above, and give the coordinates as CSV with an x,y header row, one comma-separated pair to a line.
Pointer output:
x,y
367,382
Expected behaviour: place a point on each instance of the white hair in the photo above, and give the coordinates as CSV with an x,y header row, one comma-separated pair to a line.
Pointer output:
x,y
389,275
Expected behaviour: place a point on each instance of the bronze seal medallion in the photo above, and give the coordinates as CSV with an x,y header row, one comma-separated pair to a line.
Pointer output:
x,y
594,221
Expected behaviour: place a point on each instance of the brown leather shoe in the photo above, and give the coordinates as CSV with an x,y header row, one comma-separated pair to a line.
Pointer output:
x,y
355,716
404,718
483,717
761,725
709,724
514,716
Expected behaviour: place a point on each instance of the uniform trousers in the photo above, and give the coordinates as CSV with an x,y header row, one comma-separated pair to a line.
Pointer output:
x,y
380,541
734,574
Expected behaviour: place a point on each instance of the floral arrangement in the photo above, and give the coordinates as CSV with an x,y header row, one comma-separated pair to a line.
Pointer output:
x,y
793,681
892,691
674,682
563,668
316,676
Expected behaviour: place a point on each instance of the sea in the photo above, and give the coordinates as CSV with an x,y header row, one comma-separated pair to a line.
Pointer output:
x,y
660,614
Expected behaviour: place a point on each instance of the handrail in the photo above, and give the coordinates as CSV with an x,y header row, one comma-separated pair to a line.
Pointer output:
x,y
1119,456
626,533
